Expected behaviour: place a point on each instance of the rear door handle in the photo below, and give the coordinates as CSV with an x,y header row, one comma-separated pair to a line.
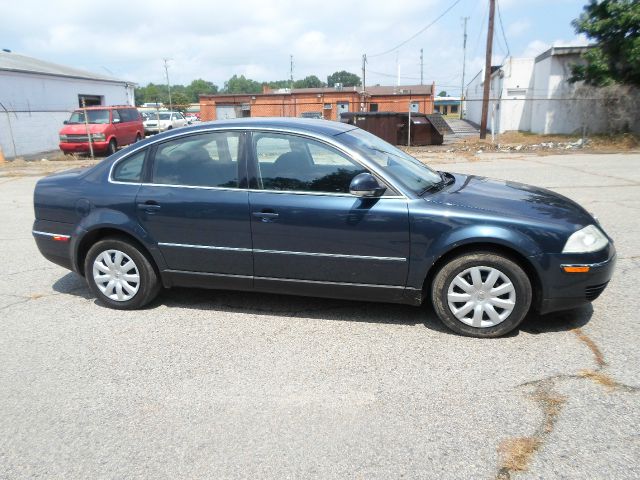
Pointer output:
x,y
150,206
266,215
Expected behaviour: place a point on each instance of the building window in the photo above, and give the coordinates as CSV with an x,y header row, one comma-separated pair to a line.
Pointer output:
x,y
327,106
373,107
454,108
90,100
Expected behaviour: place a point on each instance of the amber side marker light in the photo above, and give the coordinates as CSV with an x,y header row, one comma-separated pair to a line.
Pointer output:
x,y
575,269
58,238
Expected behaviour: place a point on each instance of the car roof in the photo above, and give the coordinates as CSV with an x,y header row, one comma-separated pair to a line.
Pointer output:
x,y
311,125
103,107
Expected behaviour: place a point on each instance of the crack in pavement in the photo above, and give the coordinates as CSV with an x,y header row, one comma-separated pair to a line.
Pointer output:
x,y
36,296
516,452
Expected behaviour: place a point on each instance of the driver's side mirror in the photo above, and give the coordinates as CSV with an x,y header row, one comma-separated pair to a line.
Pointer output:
x,y
366,185
66,122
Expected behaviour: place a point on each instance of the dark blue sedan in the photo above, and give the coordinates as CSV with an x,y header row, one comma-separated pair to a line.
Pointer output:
x,y
318,208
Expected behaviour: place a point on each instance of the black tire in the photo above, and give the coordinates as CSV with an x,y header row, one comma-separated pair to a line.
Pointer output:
x,y
113,147
446,275
148,286
138,138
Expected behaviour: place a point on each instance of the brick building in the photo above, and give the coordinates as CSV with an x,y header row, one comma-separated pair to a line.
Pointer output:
x,y
327,102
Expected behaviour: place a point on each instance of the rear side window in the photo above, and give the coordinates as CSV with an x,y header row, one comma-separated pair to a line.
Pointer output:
x,y
205,160
128,114
130,169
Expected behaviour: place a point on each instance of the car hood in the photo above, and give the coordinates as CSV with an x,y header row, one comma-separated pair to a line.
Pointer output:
x,y
511,199
81,128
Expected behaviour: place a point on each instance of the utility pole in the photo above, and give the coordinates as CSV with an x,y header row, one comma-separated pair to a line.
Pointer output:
x,y
464,64
421,67
364,72
291,70
166,73
487,71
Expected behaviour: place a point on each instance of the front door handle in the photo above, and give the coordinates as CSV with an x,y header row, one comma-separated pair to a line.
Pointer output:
x,y
266,215
150,206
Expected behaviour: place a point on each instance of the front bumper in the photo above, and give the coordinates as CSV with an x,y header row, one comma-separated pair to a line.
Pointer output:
x,y
83,147
561,290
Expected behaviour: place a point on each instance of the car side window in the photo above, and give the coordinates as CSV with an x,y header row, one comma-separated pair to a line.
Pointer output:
x,y
130,169
116,115
204,160
289,162
128,115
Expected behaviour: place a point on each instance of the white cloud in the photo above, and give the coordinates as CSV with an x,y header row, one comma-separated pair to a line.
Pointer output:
x,y
214,40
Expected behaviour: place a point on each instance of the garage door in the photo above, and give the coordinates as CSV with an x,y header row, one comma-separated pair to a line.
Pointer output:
x,y
225,111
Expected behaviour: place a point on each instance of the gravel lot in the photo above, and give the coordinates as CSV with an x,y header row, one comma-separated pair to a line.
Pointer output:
x,y
210,384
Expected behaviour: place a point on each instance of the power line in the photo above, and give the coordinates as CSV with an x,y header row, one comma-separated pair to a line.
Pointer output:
x,y
482,24
417,33
502,29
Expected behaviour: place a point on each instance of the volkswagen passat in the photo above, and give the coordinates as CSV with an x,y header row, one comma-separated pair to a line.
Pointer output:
x,y
318,208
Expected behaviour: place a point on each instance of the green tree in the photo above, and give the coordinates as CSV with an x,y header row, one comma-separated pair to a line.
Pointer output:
x,y
347,79
274,85
240,84
310,81
443,93
180,101
200,87
615,27
154,93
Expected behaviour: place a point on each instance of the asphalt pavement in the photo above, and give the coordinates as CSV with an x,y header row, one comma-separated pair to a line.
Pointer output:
x,y
214,384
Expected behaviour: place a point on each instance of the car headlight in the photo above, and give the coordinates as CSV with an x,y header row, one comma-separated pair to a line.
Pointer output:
x,y
63,138
98,136
588,239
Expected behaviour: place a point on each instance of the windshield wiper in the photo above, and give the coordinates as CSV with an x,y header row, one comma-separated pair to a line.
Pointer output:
x,y
445,179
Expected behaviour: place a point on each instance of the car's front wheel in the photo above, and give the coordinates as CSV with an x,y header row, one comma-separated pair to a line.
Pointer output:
x,y
112,147
481,294
120,275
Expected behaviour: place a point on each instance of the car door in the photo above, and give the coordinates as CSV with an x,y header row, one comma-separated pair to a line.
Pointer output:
x,y
126,127
310,234
196,209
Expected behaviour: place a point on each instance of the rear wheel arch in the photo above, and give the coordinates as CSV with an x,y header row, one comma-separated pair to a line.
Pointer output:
x,y
94,236
490,247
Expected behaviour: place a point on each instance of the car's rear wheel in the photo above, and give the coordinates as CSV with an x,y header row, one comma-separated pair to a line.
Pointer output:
x,y
120,275
481,294
112,147
138,138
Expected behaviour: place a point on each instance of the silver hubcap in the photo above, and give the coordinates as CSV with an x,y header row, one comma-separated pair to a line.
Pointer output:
x,y
116,275
481,297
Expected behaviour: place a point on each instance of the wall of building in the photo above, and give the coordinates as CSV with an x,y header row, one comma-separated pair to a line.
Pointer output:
x,y
515,83
472,105
556,107
38,104
294,105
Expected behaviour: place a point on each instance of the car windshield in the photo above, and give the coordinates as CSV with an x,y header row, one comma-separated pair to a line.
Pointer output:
x,y
412,173
164,116
93,116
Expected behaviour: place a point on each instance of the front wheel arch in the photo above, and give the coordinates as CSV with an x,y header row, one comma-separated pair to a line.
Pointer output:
x,y
499,249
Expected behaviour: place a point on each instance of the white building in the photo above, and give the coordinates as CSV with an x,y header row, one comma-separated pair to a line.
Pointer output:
x,y
37,96
534,94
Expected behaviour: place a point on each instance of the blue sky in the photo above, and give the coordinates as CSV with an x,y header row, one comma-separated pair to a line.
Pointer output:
x,y
216,39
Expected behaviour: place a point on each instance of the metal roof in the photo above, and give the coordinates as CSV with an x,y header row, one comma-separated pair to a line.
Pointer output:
x,y
14,62
575,50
